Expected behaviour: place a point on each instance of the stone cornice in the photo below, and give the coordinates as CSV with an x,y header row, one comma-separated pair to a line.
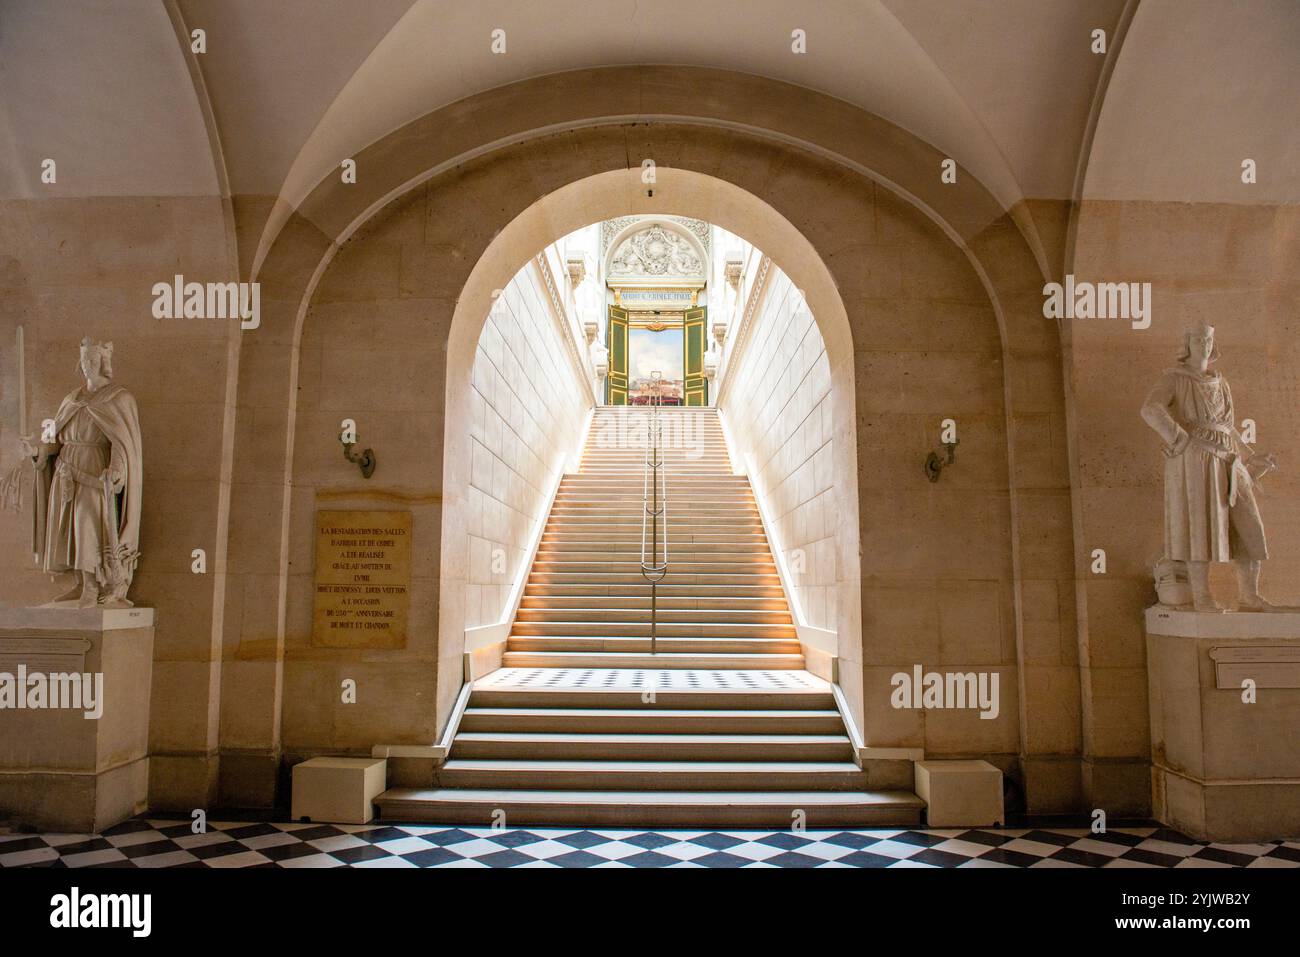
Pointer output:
x,y
565,325
740,339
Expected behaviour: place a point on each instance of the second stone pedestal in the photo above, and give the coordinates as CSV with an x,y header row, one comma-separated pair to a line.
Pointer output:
x,y
960,793
338,790
74,716
1225,723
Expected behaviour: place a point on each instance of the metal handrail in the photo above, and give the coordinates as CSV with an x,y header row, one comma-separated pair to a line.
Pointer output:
x,y
654,506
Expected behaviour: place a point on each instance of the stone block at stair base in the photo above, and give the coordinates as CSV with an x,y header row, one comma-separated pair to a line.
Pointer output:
x,y
59,769
1225,768
338,790
960,793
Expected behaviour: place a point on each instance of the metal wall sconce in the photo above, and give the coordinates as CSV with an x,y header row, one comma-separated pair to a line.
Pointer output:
x,y
934,464
365,461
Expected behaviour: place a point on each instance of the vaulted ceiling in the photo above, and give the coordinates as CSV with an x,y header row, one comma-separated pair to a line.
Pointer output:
x,y
1008,88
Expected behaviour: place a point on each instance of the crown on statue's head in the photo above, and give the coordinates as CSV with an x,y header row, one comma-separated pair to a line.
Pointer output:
x,y
1203,329
90,346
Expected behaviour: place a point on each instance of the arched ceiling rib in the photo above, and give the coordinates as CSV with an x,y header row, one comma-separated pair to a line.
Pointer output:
x,y
273,67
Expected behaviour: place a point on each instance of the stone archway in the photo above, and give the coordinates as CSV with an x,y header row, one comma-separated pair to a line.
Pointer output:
x,y
606,196
842,182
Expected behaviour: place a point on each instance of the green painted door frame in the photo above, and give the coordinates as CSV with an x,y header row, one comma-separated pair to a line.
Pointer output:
x,y
616,342
695,386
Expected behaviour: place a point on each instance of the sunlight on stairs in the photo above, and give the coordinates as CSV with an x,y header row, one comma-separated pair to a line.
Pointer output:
x,y
584,725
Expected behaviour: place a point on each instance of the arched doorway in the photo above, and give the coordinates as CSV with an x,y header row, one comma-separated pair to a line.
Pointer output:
x,y
655,281
607,196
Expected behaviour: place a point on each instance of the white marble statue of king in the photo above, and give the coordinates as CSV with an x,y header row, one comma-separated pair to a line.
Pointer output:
x,y
1210,475
86,518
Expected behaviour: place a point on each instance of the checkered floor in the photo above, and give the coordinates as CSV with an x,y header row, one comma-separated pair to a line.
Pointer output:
x,y
159,843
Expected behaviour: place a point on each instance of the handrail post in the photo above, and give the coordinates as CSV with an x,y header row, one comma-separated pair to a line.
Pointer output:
x,y
654,506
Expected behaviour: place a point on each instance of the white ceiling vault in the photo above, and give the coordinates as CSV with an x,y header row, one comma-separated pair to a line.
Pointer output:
x,y
1005,87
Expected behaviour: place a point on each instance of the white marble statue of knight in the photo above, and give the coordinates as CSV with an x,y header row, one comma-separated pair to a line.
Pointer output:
x,y
1210,475
86,518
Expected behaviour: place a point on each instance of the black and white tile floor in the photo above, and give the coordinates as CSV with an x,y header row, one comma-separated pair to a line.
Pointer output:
x,y
147,842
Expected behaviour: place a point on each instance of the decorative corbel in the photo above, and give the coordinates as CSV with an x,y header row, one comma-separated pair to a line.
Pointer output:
x,y
734,270
577,269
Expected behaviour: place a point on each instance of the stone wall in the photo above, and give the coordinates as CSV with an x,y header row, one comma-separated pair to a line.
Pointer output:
x,y
364,330
372,350
776,404
528,413
937,558
368,352
1233,266
74,267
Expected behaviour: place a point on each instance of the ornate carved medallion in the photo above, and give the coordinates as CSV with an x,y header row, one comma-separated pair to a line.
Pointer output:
x,y
655,251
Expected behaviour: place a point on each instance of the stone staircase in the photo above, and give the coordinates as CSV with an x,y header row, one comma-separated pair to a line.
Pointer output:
x,y
721,726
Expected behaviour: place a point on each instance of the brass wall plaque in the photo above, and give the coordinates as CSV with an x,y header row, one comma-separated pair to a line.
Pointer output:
x,y
363,579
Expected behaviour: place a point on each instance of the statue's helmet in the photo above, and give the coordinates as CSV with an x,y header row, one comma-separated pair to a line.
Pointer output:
x,y
105,352
1200,329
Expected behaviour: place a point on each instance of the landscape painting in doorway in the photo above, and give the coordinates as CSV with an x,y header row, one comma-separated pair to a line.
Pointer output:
x,y
655,351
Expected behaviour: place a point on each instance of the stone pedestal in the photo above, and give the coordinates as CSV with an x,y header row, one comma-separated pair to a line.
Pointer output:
x,y
960,793
338,790
1224,769
61,770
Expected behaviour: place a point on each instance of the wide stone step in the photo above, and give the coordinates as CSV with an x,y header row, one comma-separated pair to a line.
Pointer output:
x,y
664,612
609,775
651,688
637,499
707,454
713,464
633,545
641,628
678,514
678,576
523,745
640,591
598,569
623,473
619,546
722,603
696,645
685,554
698,809
704,452
647,720
676,522
631,532
583,659
727,484
597,697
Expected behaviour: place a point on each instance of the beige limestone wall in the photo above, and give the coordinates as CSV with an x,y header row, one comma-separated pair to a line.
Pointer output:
x,y
86,266
777,406
370,352
373,349
938,576
1234,267
528,410
937,558
843,238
